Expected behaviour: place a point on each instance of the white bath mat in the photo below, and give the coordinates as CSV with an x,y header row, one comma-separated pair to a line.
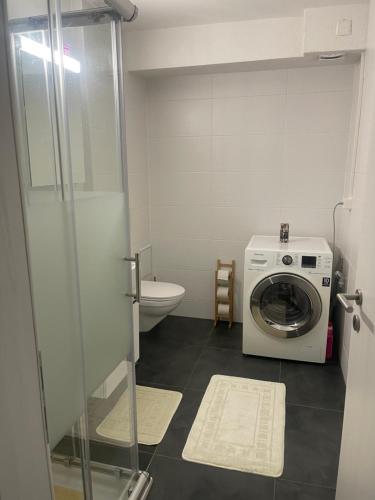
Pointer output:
x,y
240,425
155,409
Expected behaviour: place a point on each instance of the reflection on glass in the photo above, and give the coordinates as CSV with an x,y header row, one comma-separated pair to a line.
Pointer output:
x,y
77,246
50,231
285,304
100,208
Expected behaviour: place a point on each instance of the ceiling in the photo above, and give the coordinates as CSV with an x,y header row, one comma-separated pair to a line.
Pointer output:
x,y
168,13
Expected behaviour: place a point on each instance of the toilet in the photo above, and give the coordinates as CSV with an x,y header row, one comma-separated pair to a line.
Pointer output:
x,y
158,299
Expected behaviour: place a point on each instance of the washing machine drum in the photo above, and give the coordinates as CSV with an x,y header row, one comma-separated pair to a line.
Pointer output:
x,y
285,305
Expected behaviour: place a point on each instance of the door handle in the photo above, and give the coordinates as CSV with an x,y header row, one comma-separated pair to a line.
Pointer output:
x,y
137,295
343,298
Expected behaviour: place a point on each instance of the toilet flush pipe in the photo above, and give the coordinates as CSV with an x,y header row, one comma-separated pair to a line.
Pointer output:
x,y
125,8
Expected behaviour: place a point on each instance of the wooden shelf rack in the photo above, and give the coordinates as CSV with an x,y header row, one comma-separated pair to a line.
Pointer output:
x,y
229,300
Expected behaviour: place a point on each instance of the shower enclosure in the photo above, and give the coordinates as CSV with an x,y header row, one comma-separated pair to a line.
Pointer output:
x,y
69,116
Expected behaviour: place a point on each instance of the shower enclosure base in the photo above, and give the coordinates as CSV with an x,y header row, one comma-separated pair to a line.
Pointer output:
x,y
68,469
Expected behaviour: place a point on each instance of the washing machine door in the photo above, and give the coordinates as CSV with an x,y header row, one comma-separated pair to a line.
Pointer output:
x,y
285,305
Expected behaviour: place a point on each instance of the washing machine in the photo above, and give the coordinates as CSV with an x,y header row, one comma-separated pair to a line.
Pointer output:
x,y
287,289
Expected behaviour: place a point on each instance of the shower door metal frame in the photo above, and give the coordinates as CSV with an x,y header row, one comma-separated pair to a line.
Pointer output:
x,y
116,36
143,481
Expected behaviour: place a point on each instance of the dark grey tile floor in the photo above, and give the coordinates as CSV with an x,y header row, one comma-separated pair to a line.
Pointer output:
x,y
182,354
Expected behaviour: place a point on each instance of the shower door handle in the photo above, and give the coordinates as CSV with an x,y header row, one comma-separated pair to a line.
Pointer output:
x,y
343,298
137,295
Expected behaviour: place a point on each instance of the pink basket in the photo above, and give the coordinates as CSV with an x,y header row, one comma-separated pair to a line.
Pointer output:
x,y
329,351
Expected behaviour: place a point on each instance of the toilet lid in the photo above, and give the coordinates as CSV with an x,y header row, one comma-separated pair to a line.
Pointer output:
x,y
159,290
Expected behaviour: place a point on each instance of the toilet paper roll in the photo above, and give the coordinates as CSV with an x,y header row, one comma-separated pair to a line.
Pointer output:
x,y
222,292
223,275
223,309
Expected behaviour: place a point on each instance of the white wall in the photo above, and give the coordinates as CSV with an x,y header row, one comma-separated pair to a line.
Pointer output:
x,y
244,42
219,43
231,155
322,23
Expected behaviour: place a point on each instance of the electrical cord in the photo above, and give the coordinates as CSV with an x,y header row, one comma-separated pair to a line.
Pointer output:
x,y
337,276
340,203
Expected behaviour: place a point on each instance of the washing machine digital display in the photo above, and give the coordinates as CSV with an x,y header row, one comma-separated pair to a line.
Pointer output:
x,y
308,261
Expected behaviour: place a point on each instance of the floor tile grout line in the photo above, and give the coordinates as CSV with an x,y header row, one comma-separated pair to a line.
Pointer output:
x,y
176,459
147,453
193,368
210,334
314,407
216,348
302,483
151,459
183,390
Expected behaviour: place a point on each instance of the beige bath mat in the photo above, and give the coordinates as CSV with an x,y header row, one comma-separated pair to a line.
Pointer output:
x,y
240,425
155,409
62,493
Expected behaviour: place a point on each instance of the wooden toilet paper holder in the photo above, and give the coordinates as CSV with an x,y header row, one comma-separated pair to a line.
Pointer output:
x,y
224,279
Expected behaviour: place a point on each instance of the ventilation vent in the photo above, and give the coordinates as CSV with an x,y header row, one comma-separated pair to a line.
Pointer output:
x,y
331,56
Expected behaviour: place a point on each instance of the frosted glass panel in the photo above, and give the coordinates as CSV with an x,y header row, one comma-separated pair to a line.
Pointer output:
x,y
101,207
56,311
106,311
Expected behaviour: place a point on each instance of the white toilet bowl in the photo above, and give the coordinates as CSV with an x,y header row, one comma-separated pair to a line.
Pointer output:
x,y
158,299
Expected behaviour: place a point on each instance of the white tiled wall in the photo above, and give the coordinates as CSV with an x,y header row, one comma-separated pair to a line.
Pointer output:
x,y
136,138
235,154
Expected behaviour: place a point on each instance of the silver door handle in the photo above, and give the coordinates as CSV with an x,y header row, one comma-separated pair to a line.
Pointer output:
x,y
343,298
137,295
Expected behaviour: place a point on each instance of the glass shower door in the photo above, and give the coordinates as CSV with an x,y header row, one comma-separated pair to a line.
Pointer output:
x,y
102,234
68,103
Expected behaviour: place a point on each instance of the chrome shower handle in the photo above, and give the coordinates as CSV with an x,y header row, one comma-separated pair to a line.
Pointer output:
x,y
137,295
343,298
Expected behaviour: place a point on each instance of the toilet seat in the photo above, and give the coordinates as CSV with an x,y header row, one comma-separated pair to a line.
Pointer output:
x,y
160,292
158,299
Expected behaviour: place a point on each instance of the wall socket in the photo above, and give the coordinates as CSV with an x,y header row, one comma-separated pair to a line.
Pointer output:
x,y
348,203
344,27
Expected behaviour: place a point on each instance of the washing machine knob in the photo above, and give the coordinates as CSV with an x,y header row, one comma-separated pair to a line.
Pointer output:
x,y
287,260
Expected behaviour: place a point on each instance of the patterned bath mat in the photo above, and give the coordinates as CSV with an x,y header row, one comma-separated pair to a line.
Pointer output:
x,y
240,425
155,409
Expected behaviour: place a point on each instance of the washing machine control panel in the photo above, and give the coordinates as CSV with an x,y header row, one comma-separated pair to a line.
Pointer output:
x,y
287,259
309,263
